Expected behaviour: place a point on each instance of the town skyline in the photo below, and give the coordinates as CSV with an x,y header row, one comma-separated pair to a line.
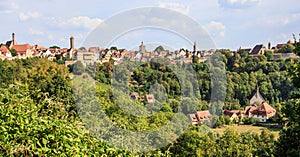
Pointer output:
x,y
229,22
152,45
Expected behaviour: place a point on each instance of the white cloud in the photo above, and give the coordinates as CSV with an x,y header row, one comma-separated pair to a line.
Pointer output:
x,y
175,6
80,21
29,15
216,29
50,37
277,20
35,32
8,7
236,4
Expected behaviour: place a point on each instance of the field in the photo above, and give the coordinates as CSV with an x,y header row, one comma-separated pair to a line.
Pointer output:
x,y
248,128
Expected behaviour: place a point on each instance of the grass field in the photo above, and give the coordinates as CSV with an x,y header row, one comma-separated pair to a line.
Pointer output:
x,y
247,128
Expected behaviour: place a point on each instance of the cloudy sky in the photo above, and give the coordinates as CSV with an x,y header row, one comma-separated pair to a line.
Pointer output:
x,y
230,23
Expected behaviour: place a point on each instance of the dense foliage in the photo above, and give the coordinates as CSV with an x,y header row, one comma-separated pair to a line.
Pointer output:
x,y
38,114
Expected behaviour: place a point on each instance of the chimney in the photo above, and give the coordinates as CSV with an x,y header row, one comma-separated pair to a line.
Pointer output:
x,y
72,43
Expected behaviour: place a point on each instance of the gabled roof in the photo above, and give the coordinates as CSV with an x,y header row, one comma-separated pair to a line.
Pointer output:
x,y
9,43
264,109
150,98
21,49
193,118
257,49
257,98
202,115
4,49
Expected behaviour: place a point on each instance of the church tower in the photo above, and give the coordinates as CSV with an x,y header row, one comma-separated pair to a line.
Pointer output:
x,y
13,39
72,43
257,97
142,48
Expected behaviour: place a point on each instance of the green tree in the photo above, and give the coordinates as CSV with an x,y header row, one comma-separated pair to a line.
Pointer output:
x,y
78,68
288,143
55,47
289,48
13,52
269,55
159,49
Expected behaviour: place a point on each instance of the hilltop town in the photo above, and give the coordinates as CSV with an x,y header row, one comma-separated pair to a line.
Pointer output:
x,y
13,50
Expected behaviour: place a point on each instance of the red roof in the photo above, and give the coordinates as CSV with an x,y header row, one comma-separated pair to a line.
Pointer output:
x,y
3,49
202,115
150,98
21,49
193,117
264,109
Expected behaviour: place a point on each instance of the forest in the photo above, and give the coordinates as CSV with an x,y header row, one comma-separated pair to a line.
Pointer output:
x,y
48,109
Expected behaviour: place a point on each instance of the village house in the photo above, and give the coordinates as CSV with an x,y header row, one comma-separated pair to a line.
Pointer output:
x,y
4,52
23,51
134,96
150,98
200,117
233,114
258,50
258,109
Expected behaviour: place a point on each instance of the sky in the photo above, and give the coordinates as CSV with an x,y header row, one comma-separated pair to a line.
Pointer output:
x,y
230,23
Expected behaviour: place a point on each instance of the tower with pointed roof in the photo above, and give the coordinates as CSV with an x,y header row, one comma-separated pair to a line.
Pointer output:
x,y
142,48
257,98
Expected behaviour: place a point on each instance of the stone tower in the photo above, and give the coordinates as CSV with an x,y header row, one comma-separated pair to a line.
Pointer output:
x,y
142,48
72,43
13,39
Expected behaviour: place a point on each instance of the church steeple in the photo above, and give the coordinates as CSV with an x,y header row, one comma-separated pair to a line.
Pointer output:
x,y
13,39
142,48
257,97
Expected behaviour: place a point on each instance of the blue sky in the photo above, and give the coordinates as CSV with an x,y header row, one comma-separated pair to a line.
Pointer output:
x,y
230,23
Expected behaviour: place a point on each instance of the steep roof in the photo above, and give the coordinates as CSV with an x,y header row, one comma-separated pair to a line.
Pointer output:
x,y
193,118
202,115
257,49
3,49
264,109
21,49
257,98
150,98
9,43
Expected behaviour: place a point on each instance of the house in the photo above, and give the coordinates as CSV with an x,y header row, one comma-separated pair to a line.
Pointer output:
x,y
262,112
12,42
4,50
134,96
257,98
258,50
233,114
150,98
24,50
199,117
194,120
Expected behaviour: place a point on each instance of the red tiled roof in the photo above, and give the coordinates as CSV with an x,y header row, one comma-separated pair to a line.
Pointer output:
x,y
264,109
193,117
150,98
3,49
202,115
21,49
